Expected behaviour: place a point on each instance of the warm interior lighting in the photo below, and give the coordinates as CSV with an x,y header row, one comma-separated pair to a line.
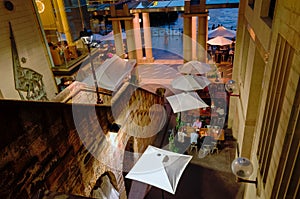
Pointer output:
x,y
40,6
231,87
251,32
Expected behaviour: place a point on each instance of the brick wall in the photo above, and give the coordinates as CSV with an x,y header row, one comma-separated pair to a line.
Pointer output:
x,y
41,148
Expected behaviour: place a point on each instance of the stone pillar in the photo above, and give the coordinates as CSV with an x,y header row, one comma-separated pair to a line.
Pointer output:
x,y
138,39
202,38
147,37
187,38
116,25
130,39
64,21
194,38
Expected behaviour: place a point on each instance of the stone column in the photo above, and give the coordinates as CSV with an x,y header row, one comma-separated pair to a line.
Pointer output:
x,y
130,39
147,37
64,21
138,39
116,25
202,38
187,38
194,38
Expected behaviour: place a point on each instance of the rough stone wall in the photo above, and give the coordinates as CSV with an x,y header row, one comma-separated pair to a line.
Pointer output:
x,y
52,146
40,149
140,113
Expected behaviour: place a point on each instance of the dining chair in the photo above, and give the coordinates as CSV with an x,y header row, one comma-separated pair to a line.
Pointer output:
x,y
214,147
193,146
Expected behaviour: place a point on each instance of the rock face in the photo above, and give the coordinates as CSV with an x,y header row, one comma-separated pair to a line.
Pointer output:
x,y
59,147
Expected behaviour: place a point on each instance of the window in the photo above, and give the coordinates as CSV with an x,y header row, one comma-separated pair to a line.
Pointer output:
x,y
272,8
267,11
277,88
251,3
287,176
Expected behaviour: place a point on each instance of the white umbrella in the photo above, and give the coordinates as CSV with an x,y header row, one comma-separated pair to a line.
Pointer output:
x,y
221,31
190,83
219,41
186,101
194,67
159,168
111,73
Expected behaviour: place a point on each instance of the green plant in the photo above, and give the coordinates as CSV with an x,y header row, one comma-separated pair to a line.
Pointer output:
x,y
179,123
172,146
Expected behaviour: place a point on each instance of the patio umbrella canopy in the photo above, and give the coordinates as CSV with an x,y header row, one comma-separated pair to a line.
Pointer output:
x,y
194,67
159,168
219,41
111,73
221,31
190,83
186,101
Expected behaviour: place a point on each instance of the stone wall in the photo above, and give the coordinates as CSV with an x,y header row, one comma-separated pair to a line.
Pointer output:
x,y
42,147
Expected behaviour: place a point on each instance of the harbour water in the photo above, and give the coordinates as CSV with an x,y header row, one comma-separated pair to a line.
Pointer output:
x,y
171,47
222,16
226,16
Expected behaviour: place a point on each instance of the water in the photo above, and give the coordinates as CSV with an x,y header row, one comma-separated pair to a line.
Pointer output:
x,y
226,16
173,49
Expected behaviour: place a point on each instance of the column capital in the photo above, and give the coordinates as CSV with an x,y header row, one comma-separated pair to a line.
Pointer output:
x,y
126,18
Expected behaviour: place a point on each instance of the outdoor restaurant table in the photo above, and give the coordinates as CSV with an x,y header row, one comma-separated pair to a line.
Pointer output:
x,y
217,135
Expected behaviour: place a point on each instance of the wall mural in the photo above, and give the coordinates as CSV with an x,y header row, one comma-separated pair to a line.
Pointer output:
x,y
27,81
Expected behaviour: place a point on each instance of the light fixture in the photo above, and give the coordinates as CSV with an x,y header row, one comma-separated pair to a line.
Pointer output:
x,y
243,168
231,86
40,6
87,39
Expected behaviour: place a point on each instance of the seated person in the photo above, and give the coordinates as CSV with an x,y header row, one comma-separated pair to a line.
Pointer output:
x,y
203,133
200,141
197,124
194,137
181,135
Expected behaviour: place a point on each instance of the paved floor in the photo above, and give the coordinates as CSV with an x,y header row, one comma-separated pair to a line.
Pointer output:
x,y
207,178
204,178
